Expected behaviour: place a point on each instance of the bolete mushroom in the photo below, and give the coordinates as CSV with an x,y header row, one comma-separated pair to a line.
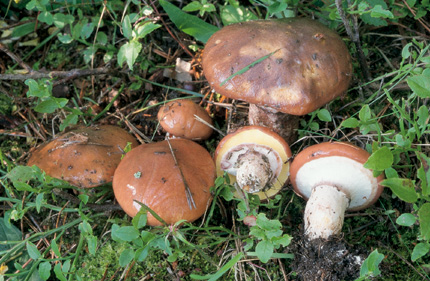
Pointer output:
x,y
150,174
178,119
255,158
293,66
83,156
331,176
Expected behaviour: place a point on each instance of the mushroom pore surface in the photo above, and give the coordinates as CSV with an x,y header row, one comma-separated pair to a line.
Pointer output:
x,y
306,64
148,174
83,156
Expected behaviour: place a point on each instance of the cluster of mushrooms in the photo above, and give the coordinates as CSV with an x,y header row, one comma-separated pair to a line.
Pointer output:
x,y
293,67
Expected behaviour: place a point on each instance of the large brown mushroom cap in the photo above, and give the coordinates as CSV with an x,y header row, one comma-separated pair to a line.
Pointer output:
x,y
177,118
308,67
338,164
83,156
148,174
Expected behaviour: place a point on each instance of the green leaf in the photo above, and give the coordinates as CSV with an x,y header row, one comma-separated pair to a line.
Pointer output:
x,y
221,271
403,188
61,20
129,52
264,250
46,17
365,113
71,119
424,216
192,6
51,104
102,38
124,233
24,29
32,250
92,244
55,248
379,12
420,250
380,160
406,219
140,219
284,240
8,232
370,266
144,29
40,90
45,270
189,24
21,173
230,14
65,38
87,30
423,115
59,273
350,123
126,27
324,115
126,257
39,201
423,172
420,84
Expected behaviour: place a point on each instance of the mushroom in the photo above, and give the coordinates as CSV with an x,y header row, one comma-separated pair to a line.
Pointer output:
x,y
331,176
293,66
161,178
178,119
255,158
83,156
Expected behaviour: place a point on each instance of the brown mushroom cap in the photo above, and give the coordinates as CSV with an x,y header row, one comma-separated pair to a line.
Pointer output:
x,y
308,67
148,174
83,156
337,157
177,118
246,137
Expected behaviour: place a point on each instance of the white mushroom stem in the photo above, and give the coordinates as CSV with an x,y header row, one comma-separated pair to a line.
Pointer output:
x,y
324,213
253,172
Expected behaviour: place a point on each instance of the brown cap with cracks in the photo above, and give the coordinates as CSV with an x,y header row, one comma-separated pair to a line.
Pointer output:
x,y
341,165
308,65
83,156
148,174
177,118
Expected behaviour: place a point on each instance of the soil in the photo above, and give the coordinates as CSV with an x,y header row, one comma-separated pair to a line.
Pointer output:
x,y
322,259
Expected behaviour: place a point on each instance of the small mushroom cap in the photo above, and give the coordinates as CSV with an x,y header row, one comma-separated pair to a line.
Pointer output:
x,y
340,165
148,174
259,136
177,118
83,156
308,67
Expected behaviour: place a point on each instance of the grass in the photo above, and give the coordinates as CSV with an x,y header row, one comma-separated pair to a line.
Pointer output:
x,y
49,230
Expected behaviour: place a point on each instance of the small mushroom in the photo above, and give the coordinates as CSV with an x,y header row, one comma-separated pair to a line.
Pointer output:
x,y
256,158
83,156
150,174
332,178
293,66
178,119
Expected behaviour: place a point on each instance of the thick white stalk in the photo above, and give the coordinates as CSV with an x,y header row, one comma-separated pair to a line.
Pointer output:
x,y
253,172
324,213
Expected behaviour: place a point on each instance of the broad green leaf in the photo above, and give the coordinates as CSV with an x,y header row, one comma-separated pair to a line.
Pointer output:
x,y
350,123
65,38
32,250
284,240
142,253
8,232
21,173
420,84
59,273
129,52
370,266
266,224
126,257
61,20
140,220
55,248
45,270
124,233
379,12
423,115
324,115
424,216
24,29
92,244
189,24
420,250
406,219
87,30
89,53
192,6
51,104
423,172
39,90
102,38
144,29
230,14
71,119
380,160
126,27
39,201
365,113
46,17
403,188
264,250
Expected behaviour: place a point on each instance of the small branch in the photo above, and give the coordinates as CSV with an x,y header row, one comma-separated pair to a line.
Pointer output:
x,y
355,38
15,58
190,198
58,74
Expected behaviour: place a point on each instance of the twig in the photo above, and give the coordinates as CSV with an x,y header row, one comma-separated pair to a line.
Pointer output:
x,y
58,74
198,118
355,38
190,198
15,58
